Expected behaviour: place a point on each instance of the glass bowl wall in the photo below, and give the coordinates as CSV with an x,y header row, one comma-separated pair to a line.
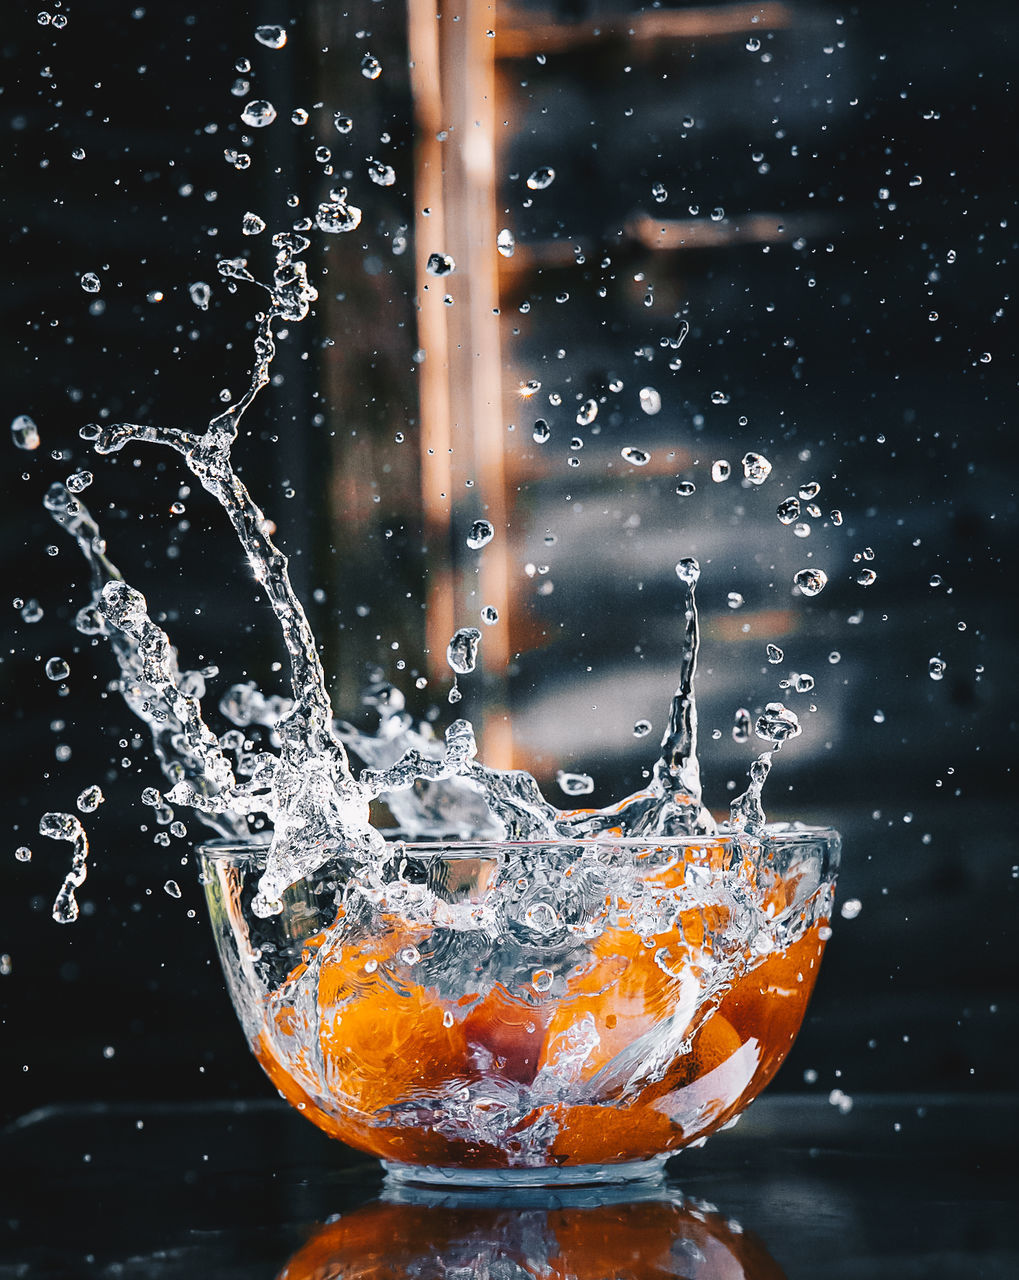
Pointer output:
x,y
568,1010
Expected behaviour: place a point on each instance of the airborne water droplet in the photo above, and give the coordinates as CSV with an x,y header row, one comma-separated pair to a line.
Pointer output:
x,y
371,68
90,799
252,224
273,37
481,534
635,457
659,193
382,174
575,784
775,654
777,723
720,471
642,728
866,577
172,888
788,510
24,432
462,650
90,282
337,216
505,242
258,113
741,726
440,264
540,179
542,431
200,293
587,413
650,401
756,468
936,668
57,669
342,123
811,581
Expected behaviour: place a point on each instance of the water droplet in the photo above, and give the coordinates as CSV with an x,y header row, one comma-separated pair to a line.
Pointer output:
x,y
642,728
936,668
775,654
541,980
741,726
462,650
659,193
24,432
272,37
78,153
440,264
342,123
717,214
719,397
811,581
834,657
734,600
505,242
866,577
90,799
685,488
490,615
23,853
575,784
720,471
753,44
258,113
252,224
777,723
635,457
481,535
90,282
851,908
587,413
299,116
382,174
803,683
57,669
688,571
32,611
371,68
337,216
650,401
835,516
540,179
542,431
756,468
172,888
788,510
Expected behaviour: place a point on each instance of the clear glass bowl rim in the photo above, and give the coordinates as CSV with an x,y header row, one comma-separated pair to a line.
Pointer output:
x,y
780,834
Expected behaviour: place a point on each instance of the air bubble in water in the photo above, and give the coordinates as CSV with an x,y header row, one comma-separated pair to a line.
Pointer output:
x,y
24,432
57,669
777,723
741,726
272,37
756,468
440,264
575,784
542,431
481,534
635,457
371,68
587,413
650,401
200,293
90,799
505,242
172,888
252,224
775,654
720,471
382,174
258,113
540,179
90,282
936,668
462,650
811,581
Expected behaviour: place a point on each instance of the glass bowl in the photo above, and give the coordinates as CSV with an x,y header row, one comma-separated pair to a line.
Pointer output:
x,y
528,1012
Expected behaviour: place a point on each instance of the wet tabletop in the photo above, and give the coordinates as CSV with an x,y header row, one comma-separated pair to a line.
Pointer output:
x,y
898,1186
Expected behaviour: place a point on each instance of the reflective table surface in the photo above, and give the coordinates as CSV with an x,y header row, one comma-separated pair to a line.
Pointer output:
x,y
897,1186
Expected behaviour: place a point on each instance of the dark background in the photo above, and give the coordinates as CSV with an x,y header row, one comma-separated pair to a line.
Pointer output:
x,y
918,991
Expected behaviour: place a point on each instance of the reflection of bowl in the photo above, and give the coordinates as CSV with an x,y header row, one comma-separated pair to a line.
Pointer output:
x,y
528,1012
641,1233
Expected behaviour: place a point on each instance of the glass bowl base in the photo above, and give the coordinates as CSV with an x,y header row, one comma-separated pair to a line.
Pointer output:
x,y
577,1175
